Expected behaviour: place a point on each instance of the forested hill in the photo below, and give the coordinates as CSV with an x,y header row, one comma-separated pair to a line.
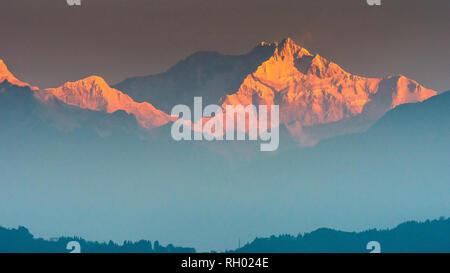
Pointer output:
x,y
410,237
422,237
20,240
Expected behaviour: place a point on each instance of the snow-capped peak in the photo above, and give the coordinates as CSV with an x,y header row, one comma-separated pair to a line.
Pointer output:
x,y
288,48
6,75
314,91
95,94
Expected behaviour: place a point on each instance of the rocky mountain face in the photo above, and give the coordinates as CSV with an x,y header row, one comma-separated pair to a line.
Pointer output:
x,y
315,92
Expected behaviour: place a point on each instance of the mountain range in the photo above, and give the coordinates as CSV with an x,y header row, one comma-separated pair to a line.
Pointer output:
x,y
89,159
317,98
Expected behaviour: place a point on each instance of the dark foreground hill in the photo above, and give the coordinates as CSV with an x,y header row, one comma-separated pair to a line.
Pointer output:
x,y
20,240
428,236
409,237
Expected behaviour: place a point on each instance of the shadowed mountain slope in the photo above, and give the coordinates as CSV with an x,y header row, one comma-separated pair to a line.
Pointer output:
x,y
210,75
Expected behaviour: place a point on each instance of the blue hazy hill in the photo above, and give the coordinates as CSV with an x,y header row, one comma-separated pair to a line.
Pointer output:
x,y
102,177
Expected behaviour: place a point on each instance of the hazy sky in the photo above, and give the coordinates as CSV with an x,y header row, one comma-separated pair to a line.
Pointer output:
x,y
46,42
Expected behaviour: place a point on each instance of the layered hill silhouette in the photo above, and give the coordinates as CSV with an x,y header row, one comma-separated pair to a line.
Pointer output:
x,y
20,240
409,237
400,154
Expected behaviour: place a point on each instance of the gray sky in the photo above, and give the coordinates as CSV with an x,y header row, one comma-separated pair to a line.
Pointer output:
x,y
46,42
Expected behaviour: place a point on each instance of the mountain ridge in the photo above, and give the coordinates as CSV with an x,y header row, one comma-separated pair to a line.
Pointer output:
x,y
95,94
407,237
314,91
6,75
318,99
